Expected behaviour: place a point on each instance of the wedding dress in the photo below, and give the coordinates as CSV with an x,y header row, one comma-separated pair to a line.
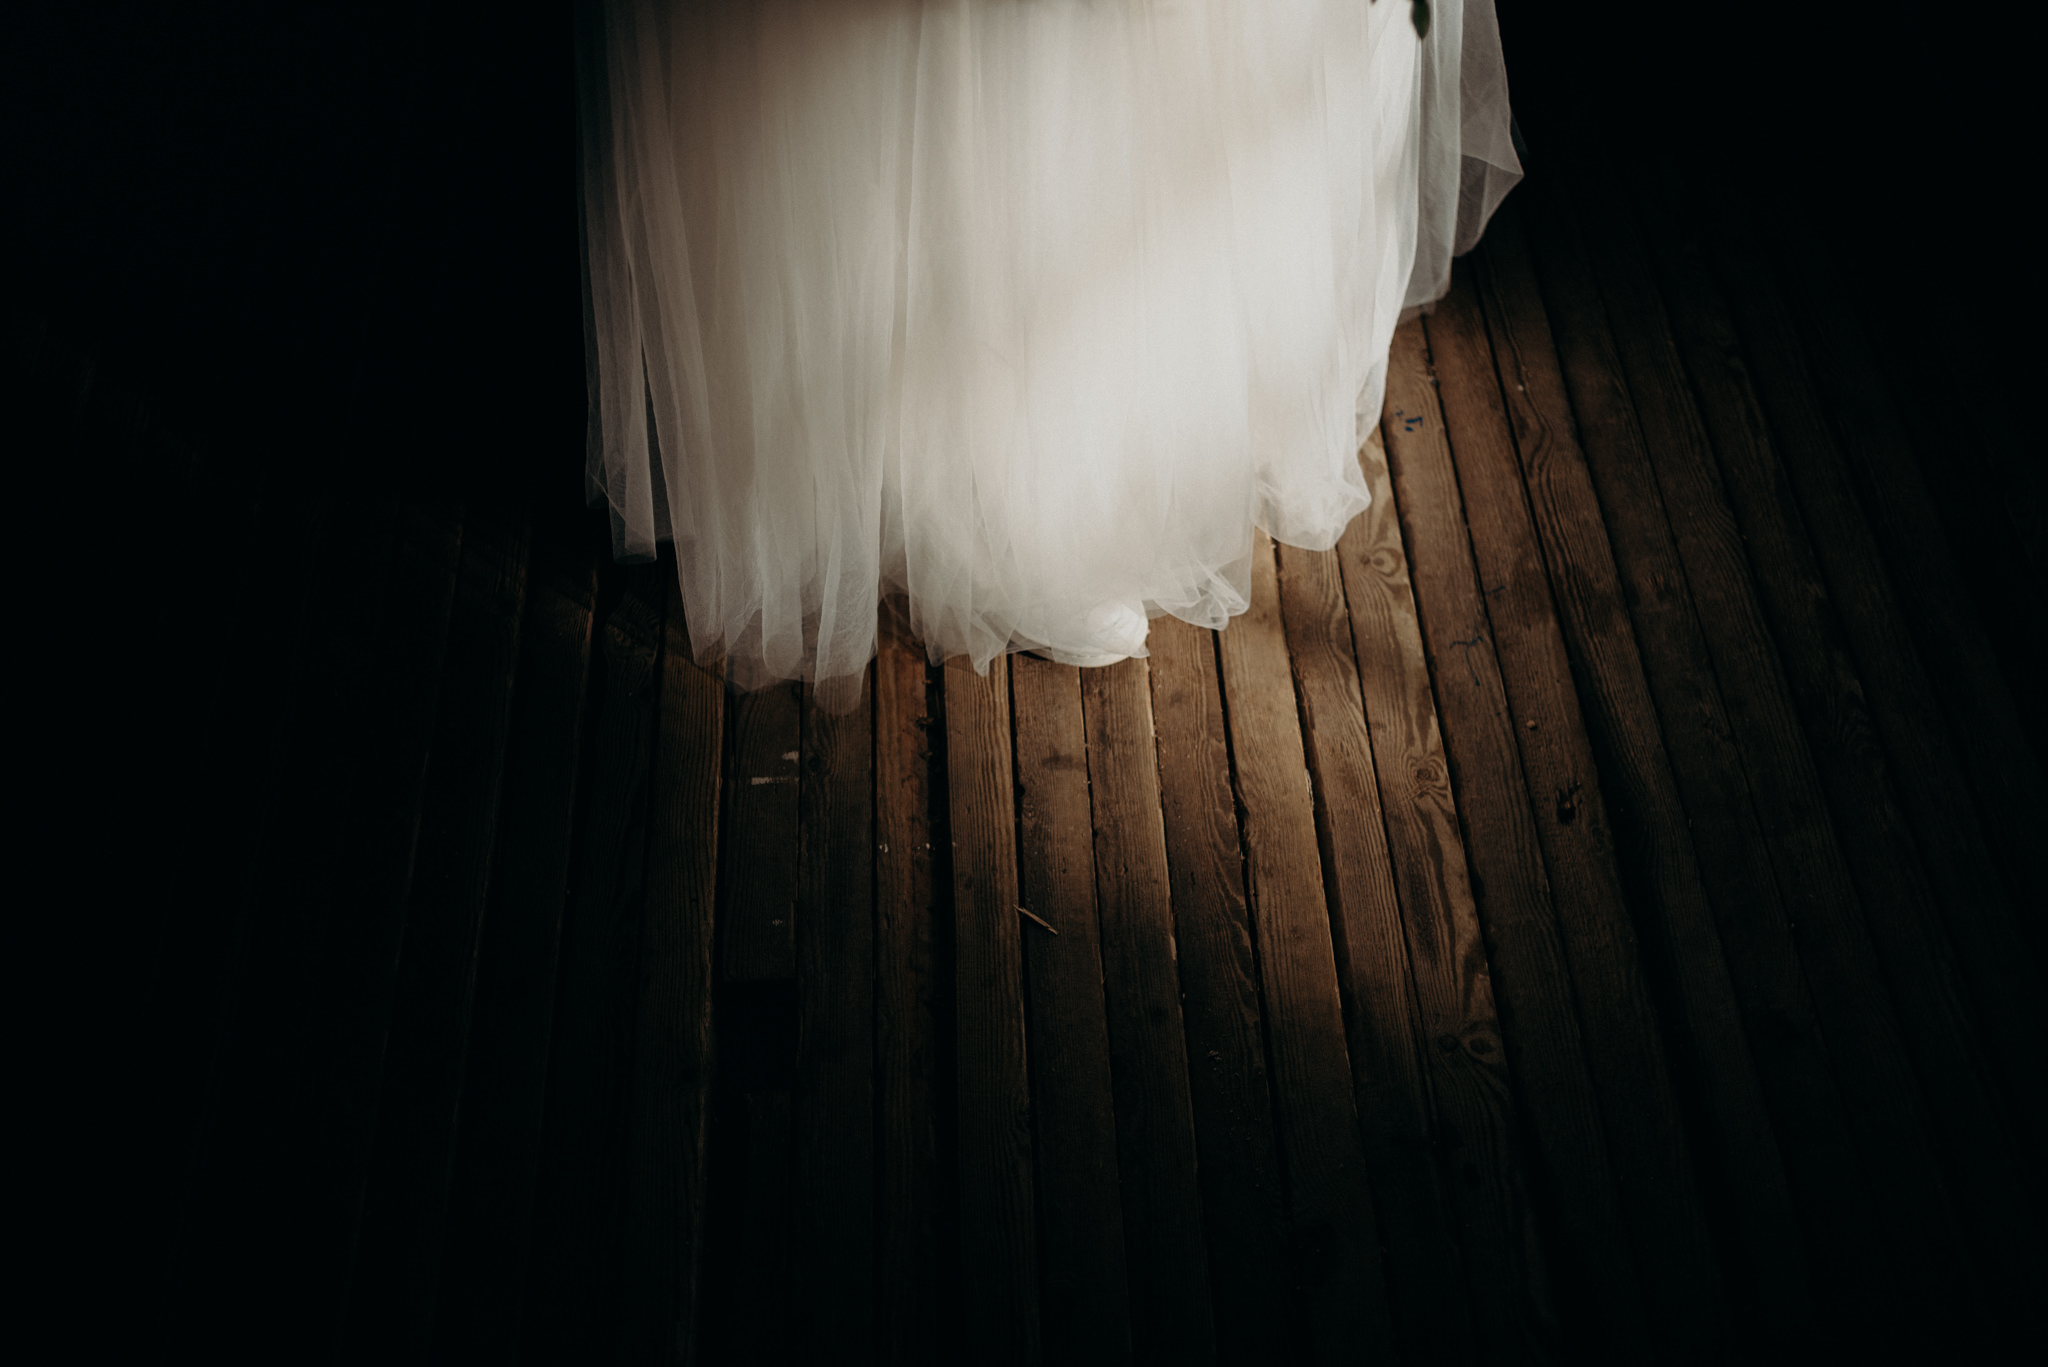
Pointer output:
x,y
1026,310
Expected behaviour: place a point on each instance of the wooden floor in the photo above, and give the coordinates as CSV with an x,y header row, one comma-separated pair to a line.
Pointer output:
x,y
1592,914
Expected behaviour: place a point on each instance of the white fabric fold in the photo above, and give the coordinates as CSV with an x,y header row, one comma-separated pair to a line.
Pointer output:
x,y
1027,310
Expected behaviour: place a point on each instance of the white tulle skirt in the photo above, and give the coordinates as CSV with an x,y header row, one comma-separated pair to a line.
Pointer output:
x,y
1027,310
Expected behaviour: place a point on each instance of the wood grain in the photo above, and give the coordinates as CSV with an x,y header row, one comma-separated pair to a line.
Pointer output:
x,y
1713,1053
1865,1039
1243,1205
661,1228
1383,1023
1166,1263
1624,1045
1851,1267
998,1233
1084,1306
1600,1299
758,866
1466,1071
1333,1232
1900,908
832,1109
907,1043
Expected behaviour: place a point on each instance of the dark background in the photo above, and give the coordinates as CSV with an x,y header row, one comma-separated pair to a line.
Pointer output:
x,y
362,218
339,244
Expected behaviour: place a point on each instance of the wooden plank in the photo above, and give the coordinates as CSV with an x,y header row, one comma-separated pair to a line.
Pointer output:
x,y
907,1043
1383,1022
1982,922
758,867
1988,727
1851,1268
1165,1260
568,1310
1243,1206
1333,1233
1982,1170
398,1254
1600,1299
998,1233
1624,1048
1865,1040
497,1155
833,1107
1474,1123
1561,517
662,1229
1084,1307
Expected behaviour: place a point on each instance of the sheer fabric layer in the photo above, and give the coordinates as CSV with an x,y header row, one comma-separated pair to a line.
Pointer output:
x,y
1027,310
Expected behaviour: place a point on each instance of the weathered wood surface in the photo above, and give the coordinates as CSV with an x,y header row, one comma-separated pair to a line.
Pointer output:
x,y
1383,1022
1849,1264
1359,1014
1243,1205
1654,853
1901,908
998,1219
1165,1261
1333,1234
758,865
1917,731
907,981
1867,1038
1084,1304
1545,1048
661,1227
1474,1132
1624,1045
832,1106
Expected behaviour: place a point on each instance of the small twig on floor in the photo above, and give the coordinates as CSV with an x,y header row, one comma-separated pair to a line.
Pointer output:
x,y
1040,919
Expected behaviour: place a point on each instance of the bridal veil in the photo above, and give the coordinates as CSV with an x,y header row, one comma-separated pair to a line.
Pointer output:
x,y
1026,310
